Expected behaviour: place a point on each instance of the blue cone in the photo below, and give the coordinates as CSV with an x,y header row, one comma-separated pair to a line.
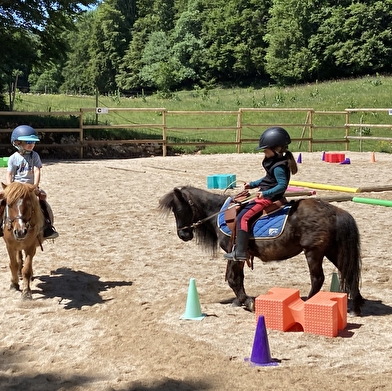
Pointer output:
x,y
261,352
346,161
299,160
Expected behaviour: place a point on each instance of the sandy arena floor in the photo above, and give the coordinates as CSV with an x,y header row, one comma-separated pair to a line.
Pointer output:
x,y
108,294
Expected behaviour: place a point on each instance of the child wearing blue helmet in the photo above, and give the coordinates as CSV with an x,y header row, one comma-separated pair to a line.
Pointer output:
x,y
25,166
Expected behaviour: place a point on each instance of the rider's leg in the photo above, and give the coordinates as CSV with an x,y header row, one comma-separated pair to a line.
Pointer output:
x,y
49,230
239,252
244,220
2,208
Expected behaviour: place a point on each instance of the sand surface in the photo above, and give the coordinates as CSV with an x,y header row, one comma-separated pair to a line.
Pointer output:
x,y
108,294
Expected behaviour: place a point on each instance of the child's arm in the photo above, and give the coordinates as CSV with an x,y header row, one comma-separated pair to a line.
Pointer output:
x,y
253,184
37,176
8,177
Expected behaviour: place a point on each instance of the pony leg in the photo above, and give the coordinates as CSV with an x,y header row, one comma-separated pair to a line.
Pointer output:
x,y
315,265
235,279
19,257
349,282
14,267
27,273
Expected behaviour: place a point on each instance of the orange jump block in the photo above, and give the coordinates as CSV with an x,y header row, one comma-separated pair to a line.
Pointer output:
x,y
283,309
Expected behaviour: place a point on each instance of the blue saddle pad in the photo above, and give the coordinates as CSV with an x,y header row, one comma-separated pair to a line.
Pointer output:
x,y
269,226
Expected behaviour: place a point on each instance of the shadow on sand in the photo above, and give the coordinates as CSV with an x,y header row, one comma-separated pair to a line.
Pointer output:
x,y
76,288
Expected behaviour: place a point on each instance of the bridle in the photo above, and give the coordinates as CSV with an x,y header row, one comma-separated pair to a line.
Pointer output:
x,y
199,222
195,211
9,221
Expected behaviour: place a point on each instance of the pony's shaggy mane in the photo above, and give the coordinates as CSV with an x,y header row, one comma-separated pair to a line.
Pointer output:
x,y
205,234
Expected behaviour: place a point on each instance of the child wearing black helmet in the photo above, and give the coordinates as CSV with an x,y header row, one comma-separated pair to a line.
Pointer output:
x,y
279,164
25,166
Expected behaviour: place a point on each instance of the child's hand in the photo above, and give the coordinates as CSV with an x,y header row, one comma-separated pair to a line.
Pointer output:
x,y
246,186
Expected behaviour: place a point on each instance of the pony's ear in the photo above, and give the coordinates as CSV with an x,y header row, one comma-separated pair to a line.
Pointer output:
x,y
3,185
178,193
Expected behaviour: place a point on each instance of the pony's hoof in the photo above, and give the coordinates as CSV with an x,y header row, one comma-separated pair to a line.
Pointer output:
x,y
236,303
27,296
250,304
354,313
14,287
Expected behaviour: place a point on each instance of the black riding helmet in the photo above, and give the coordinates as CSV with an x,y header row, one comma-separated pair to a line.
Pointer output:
x,y
274,137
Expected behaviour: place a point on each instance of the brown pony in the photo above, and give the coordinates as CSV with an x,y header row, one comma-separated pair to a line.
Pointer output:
x,y
23,230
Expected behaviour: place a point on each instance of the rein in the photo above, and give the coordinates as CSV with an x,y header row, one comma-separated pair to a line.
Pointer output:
x,y
199,222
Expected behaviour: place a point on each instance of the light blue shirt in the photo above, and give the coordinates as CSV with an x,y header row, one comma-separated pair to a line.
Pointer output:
x,y
22,166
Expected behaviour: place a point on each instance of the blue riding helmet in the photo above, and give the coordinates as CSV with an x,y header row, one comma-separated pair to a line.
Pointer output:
x,y
24,133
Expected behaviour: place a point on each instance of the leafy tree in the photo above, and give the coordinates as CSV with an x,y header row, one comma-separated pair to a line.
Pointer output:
x,y
187,47
233,32
320,40
128,76
19,56
31,30
288,57
109,39
75,72
352,40
157,69
47,82
152,16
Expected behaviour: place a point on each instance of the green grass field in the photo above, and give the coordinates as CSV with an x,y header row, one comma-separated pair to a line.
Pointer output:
x,y
369,92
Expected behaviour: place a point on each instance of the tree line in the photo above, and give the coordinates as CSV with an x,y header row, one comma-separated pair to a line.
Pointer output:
x,y
164,45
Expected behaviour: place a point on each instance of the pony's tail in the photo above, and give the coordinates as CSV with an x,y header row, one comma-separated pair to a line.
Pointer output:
x,y
349,257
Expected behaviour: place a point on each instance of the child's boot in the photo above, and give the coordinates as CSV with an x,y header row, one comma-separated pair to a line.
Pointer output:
x,y
240,250
49,231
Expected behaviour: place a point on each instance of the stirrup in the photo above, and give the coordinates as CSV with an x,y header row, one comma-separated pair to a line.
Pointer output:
x,y
232,257
229,256
50,233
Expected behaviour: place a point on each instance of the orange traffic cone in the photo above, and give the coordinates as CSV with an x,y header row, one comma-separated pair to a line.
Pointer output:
x,y
372,158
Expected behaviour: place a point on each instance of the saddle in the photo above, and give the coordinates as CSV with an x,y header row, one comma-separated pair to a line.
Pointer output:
x,y
235,207
230,215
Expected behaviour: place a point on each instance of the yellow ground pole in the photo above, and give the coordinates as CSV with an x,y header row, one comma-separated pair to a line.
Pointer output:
x,y
325,187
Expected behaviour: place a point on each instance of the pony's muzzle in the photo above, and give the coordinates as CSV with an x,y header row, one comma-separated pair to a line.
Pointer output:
x,y
185,234
20,234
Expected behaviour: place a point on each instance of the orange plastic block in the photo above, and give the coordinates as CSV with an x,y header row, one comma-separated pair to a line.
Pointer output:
x,y
326,313
283,309
334,157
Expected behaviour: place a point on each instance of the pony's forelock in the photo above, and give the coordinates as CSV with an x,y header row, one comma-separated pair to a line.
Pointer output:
x,y
16,191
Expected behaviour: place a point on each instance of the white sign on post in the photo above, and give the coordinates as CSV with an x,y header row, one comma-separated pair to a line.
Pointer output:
x,y
101,110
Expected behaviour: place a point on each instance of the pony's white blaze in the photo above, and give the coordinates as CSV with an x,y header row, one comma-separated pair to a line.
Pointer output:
x,y
19,220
